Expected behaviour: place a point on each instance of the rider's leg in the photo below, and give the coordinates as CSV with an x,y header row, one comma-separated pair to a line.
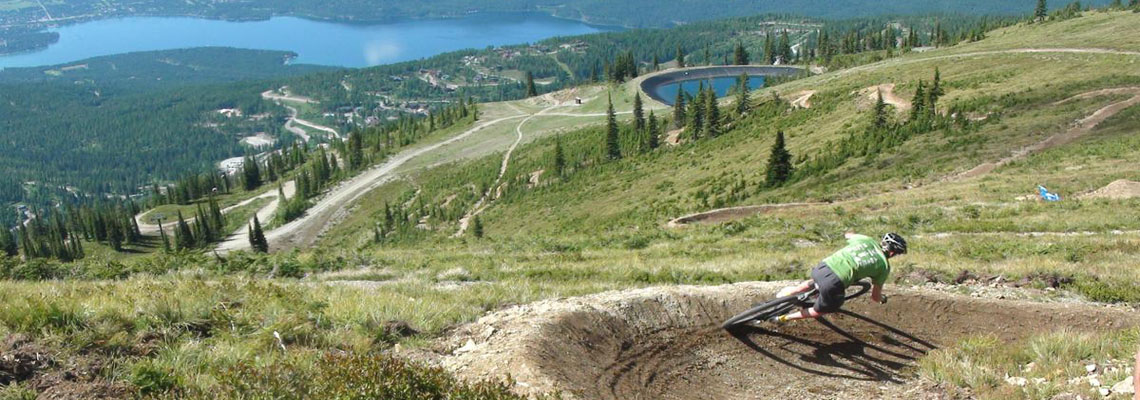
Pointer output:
x,y
794,290
804,314
830,299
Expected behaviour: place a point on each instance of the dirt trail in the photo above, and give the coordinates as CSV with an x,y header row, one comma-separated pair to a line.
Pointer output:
x,y
888,90
239,239
148,229
802,99
1079,129
665,343
481,203
484,201
305,230
733,213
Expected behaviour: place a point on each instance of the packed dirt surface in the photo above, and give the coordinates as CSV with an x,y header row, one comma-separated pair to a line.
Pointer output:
x,y
802,99
666,343
1079,129
1119,189
732,213
239,239
868,97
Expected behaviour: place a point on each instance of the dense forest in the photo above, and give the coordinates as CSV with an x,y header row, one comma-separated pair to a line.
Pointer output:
x,y
149,70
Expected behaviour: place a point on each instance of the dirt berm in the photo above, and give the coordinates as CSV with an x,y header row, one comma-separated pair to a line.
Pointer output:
x,y
666,343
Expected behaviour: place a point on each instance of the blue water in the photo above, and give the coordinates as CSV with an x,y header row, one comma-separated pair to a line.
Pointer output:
x,y
317,42
668,93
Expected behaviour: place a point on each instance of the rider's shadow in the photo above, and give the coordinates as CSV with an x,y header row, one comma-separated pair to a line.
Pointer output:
x,y
845,356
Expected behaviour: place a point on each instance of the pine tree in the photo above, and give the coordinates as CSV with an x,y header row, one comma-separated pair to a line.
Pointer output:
x,y
935,92
712,114
918,103
1041,11
785,48
476,227
656,63
743,84
769,48
165,240
680,57
612,151
708,55
638,114
257,239
653,141
740,56
779,162
356,150
880,111
8,244
531,91
679,110
559,166
251,173
696,114
185,238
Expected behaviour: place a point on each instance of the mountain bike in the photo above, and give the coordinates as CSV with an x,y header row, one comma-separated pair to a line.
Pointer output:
x,y
783,305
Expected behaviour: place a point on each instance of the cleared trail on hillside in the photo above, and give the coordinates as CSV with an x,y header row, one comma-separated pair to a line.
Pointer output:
x,y
484,200
305,230
149,229
236,239
1079,129
666,343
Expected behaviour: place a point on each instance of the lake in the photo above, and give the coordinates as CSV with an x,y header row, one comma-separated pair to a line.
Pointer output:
x,y
316,42
668,92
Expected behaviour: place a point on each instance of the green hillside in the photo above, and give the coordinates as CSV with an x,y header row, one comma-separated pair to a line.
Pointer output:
x,y
462,229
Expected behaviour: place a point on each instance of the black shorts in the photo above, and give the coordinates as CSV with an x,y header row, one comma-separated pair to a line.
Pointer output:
x,y
832,292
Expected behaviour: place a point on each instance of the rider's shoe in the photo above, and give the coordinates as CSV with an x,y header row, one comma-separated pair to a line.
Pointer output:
x,y
779,319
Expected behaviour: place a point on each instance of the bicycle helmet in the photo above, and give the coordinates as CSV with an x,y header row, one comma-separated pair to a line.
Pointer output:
x,y
894,243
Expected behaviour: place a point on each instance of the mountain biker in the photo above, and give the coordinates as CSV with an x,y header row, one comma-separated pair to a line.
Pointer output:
x,y
861,258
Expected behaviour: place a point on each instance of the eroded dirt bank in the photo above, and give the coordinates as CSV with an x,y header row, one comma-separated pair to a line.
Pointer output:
x,y
665,343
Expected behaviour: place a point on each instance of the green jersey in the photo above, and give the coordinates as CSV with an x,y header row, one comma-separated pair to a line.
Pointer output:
x,y
862,258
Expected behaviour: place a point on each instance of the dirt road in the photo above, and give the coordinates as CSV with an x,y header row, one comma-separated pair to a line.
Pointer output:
x,y
305,230
148,229
239,239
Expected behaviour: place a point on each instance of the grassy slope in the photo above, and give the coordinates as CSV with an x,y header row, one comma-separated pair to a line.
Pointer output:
x,y
601,229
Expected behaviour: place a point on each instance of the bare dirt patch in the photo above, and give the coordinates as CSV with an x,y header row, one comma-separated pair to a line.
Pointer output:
x,y
802,99
1119,189
1079,129
732,213
665,343
868,97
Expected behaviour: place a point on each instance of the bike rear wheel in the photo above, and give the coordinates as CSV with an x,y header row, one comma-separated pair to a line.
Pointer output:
x,y
784,305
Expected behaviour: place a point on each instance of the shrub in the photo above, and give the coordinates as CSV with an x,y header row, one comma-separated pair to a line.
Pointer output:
x,y
153,379
352,376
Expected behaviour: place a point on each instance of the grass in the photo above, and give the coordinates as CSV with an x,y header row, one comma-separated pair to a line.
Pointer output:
x,y
1051,364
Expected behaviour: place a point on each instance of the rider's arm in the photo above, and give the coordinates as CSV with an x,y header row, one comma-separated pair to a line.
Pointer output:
x,y
877,293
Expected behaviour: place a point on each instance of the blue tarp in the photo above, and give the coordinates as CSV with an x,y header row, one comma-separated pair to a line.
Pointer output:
x,y
1046,195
